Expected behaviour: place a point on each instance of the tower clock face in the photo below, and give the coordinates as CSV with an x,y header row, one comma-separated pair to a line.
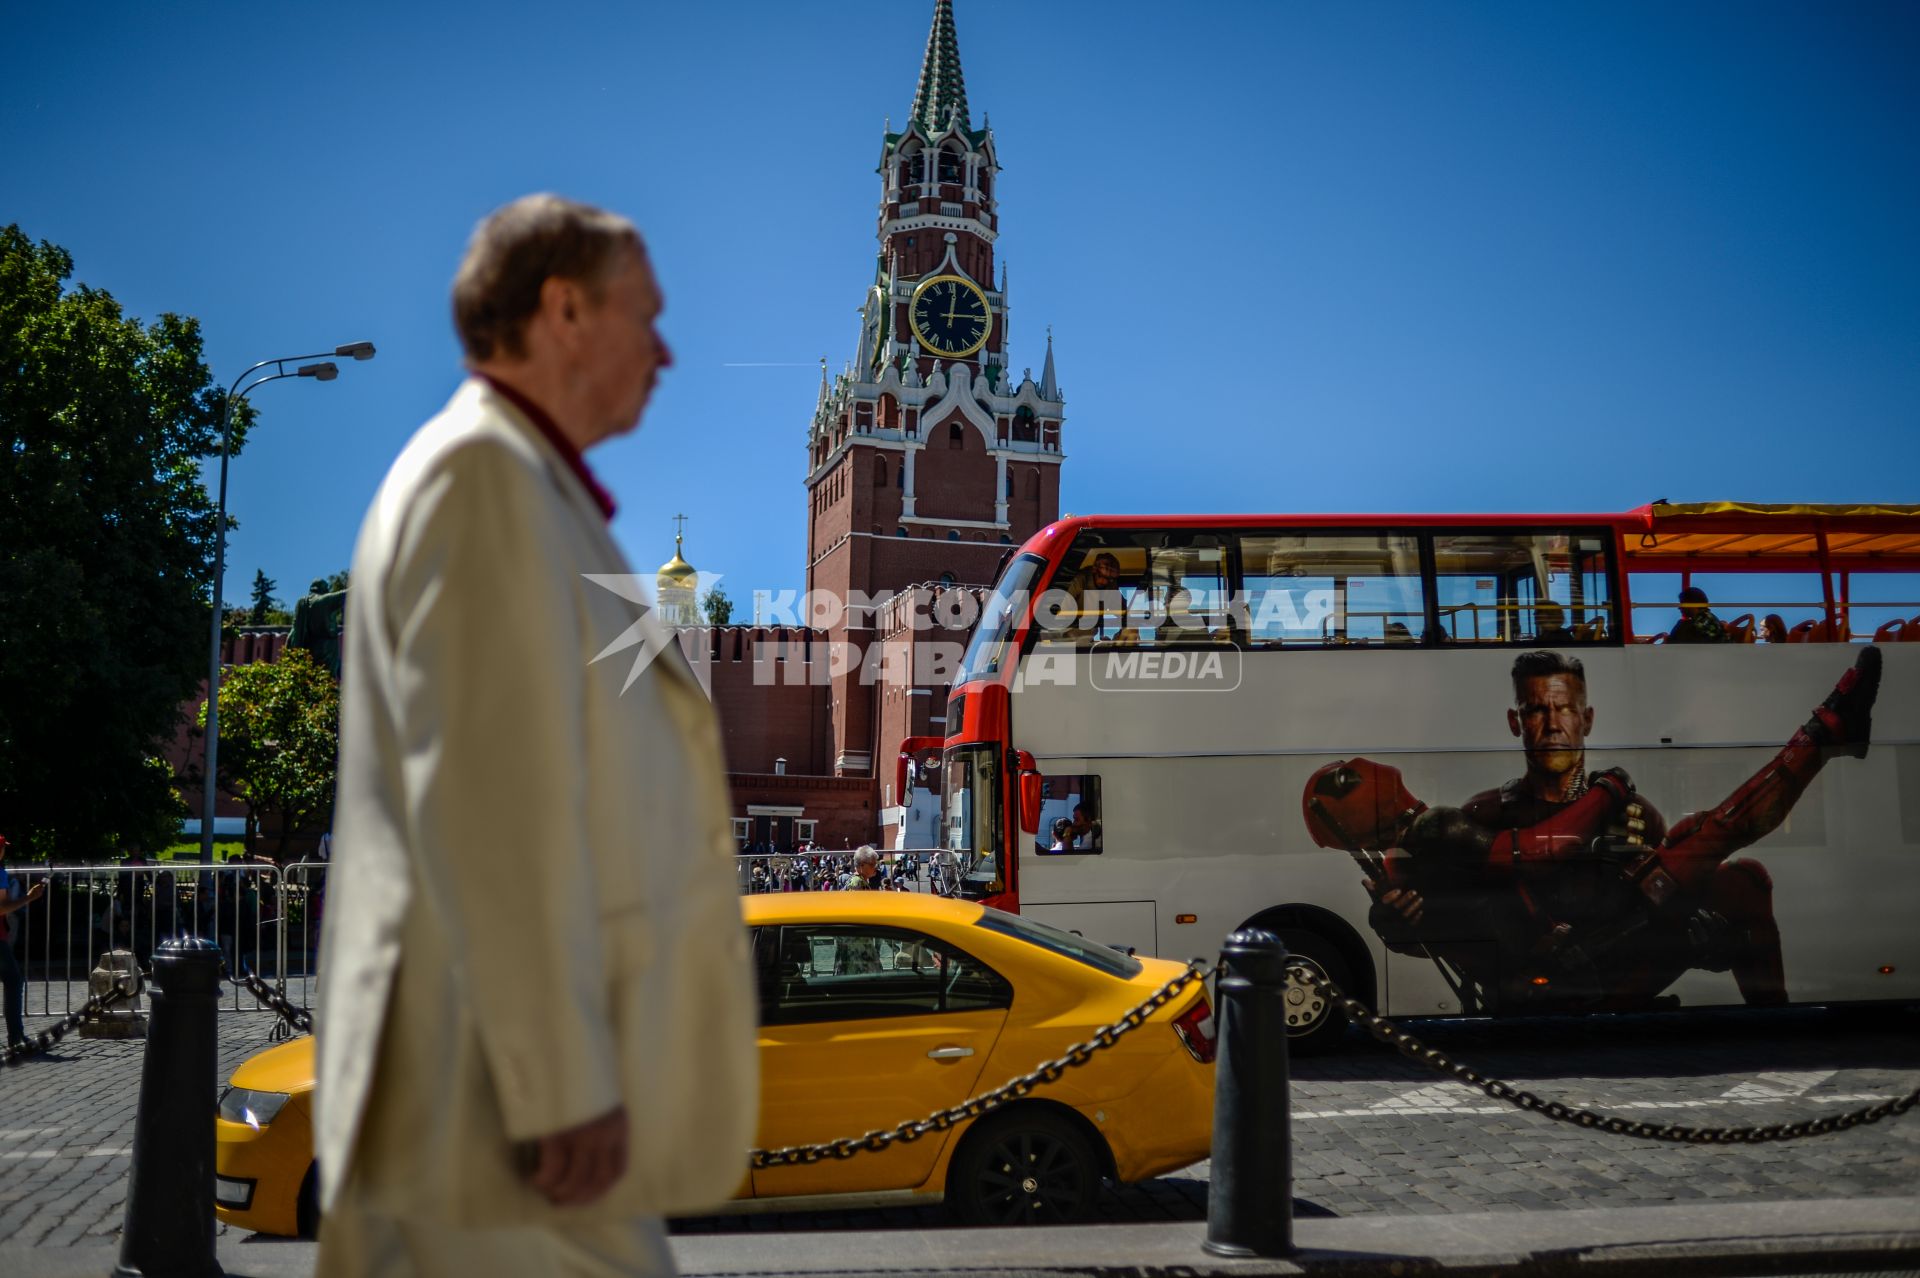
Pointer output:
x,y
950,315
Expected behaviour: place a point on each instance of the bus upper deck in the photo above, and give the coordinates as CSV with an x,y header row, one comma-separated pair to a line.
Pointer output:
x,y
1779,573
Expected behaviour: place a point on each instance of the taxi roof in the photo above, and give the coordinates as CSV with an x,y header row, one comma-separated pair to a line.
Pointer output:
x,y
864,907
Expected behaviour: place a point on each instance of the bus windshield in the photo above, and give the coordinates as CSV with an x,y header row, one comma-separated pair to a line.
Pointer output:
x,y
970,807
998,616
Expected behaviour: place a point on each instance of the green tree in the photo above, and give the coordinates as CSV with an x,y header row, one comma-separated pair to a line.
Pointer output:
x,y
279,737
338,581
106,544
718,607
263,600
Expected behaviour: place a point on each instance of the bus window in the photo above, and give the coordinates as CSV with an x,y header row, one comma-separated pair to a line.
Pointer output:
x,y
1133,589
1070,821
970,815
1309,589
1536,589
998,616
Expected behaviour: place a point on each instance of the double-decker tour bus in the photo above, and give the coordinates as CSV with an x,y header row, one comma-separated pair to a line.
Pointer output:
x,y
1462,765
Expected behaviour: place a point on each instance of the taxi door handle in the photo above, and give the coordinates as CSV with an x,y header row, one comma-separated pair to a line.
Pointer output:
x,y
949,1053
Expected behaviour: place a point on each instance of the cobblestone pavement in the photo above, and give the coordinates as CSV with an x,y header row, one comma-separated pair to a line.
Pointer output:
x,y
1372,1132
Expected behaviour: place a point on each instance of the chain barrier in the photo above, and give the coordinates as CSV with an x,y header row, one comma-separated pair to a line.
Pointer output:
x,y
940,1120
46,1038
293,1019
1413,1049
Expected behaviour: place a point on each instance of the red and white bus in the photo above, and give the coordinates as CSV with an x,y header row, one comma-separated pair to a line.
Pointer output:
x,y
1463,764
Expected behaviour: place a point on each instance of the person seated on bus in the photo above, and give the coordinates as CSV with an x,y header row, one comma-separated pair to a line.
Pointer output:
x,y
1397,633
1086,829
1092,607
1550,624
1062,837
1773,628
1697,623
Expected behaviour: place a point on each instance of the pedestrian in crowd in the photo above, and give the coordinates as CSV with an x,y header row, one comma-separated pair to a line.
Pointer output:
x,y
1697,623
523,1067
13,982
866,870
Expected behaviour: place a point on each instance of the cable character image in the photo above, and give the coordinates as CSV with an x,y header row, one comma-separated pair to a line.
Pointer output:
x,y
1565,888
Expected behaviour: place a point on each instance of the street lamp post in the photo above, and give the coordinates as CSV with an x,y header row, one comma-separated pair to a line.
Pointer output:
x,y
325,371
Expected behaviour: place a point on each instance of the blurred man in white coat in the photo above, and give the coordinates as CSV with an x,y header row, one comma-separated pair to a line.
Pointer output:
x,y
536,1011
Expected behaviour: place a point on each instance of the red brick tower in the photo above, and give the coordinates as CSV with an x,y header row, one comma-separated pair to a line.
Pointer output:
x,y
925,459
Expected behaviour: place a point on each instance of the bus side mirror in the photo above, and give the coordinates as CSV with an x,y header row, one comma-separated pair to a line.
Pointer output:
x,y
1030,787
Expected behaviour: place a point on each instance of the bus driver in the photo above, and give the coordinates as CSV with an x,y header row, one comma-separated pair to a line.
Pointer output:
x,y
1585,894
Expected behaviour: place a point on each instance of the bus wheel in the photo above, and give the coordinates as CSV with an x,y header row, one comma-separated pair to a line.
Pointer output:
x,y
1024,1168
1314,1023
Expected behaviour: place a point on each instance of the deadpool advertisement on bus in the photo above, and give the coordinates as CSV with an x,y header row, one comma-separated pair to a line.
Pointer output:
x,y
1566,888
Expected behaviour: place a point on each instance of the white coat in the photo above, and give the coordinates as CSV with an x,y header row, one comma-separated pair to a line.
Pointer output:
x,y
532,916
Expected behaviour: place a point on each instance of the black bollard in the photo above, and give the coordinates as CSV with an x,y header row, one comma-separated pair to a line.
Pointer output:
x,y
169,1225
1250,1189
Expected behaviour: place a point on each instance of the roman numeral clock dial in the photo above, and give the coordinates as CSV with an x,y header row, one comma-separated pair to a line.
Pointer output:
x,y
950,315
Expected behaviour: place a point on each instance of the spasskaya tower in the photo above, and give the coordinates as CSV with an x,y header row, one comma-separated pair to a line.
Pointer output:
x,y
926,457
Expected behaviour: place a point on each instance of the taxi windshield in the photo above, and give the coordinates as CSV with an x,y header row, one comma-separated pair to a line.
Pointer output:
x,y
998,616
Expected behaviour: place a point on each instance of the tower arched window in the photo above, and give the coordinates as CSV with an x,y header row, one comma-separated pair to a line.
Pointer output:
x,y
956,436
1034,488
948,579
900,477
880,473
953,534
951,165
1009,484
911,169
984,180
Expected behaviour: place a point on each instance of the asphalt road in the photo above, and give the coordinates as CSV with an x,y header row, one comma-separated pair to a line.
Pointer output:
x,y
1373,1132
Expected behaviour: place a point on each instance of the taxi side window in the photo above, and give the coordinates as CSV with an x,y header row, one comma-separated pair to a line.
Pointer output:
x,y
846,971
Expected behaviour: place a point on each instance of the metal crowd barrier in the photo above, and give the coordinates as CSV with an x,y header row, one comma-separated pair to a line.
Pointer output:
x,y
262,918
925,870
265,919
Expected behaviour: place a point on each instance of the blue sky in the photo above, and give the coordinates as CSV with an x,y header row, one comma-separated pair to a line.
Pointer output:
x,y
1363,256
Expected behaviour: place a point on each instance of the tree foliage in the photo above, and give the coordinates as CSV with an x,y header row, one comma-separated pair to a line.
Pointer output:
x,y
106,542
718,607
263,601
279,737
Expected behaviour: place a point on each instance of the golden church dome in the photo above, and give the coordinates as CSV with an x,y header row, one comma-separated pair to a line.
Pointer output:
x,y
677,572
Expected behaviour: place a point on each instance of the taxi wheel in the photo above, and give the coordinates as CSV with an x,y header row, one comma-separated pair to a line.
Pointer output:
x,y
1029,1168
307,1212
1314,1023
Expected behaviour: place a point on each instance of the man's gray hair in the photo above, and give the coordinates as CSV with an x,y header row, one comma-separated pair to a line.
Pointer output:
x,y
516,250
866,854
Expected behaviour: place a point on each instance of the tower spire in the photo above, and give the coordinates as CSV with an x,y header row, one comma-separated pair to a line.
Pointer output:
x,y
1049,388
942,92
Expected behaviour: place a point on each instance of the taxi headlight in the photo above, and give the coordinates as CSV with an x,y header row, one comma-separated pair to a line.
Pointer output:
x,y
254,1109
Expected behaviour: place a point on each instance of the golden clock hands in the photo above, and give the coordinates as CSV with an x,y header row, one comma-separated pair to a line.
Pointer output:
x,y
953,302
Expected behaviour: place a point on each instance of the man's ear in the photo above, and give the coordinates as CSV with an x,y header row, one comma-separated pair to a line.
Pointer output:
x,y
560,307
1513,722
1586,720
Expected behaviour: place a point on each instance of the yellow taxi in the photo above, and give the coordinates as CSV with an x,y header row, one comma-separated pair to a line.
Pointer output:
x,y
877,1008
